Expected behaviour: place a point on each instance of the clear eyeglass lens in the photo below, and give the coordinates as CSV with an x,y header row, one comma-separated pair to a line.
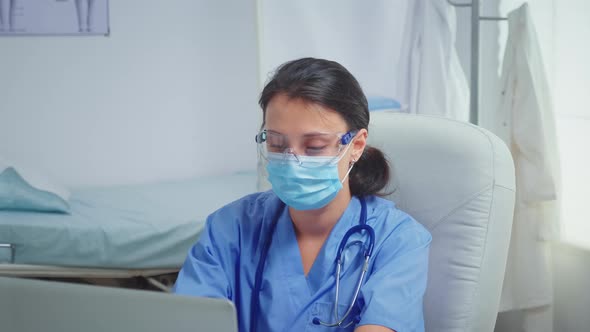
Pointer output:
x,y
316,145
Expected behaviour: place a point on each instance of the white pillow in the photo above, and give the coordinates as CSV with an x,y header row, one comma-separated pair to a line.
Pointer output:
x,y
385,104
24,188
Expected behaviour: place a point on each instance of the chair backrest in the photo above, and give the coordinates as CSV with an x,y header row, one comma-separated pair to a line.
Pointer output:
x,y
458,180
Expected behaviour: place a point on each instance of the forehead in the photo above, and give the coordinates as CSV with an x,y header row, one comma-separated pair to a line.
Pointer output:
x,y
297,116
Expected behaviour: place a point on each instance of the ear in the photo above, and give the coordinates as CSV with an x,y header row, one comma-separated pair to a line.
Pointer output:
x,y
359,144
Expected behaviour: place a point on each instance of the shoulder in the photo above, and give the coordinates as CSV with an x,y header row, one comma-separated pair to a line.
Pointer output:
x,y
398,269
394,227
249,211
249,204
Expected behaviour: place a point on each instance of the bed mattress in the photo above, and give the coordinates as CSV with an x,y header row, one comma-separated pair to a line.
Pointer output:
x,y
126,227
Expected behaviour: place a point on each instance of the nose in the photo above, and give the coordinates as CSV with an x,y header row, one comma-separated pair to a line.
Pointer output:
x,y
292,151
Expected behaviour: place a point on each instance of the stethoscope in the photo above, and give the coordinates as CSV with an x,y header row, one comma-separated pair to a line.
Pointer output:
x,y
339,321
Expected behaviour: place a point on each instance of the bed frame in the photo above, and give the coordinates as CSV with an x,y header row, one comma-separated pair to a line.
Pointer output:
x,y
161,279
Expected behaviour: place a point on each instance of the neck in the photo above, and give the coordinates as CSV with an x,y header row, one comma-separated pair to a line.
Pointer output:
x,y
319,223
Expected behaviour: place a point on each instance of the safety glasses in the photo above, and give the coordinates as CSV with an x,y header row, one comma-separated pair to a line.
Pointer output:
x,y
309,150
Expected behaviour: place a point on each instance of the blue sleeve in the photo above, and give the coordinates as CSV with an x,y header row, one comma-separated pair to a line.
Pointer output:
x,y
209,268
396,284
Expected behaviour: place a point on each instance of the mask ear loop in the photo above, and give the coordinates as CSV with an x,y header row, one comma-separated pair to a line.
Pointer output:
x,y
349,169
353,160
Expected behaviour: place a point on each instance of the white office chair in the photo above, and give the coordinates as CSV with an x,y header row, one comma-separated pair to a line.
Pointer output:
x,y
458,181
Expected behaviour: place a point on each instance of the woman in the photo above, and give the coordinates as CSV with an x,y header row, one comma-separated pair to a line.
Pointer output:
x,y
274,253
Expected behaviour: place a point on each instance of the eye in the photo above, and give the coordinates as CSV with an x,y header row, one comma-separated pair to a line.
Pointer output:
x,y
275,147
275,141
315,150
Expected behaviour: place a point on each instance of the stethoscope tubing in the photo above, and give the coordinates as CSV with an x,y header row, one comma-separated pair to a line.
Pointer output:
x,y
255,299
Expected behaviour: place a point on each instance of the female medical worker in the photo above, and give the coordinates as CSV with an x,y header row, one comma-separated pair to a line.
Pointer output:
x,y
274,254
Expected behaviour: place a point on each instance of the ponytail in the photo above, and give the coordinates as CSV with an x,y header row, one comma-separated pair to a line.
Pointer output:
x,y
370,174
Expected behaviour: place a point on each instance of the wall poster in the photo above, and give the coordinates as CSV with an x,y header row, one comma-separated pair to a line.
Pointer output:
x,y
54,17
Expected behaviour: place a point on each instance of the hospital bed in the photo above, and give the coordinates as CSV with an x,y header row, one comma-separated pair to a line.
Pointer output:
x,y
117,232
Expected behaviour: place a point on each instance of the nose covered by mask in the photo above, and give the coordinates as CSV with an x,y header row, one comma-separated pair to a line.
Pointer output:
x,y
304,188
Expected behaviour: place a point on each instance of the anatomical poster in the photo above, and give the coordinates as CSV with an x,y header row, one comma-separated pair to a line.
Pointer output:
x,y
54,17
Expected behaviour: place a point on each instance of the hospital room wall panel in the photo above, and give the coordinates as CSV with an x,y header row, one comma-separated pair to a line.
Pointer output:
x,y
171,93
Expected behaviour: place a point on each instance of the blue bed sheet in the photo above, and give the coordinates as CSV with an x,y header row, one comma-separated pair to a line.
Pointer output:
x,y
128,227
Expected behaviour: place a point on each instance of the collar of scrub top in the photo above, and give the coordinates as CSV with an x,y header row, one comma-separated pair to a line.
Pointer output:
x,y
255,299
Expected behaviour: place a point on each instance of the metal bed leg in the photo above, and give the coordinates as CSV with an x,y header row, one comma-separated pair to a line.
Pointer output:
x,y
158,284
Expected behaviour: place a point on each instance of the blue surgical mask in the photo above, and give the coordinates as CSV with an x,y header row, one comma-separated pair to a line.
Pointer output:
x,y
307,187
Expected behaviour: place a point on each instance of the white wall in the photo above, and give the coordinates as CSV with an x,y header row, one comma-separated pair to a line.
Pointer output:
x,y
171,93
571,271
572,263
363,38
572,79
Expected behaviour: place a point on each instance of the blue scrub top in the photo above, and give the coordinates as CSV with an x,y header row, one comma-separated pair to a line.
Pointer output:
x,y
223,264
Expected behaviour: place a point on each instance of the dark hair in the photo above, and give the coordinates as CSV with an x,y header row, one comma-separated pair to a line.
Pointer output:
x,y
329,84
